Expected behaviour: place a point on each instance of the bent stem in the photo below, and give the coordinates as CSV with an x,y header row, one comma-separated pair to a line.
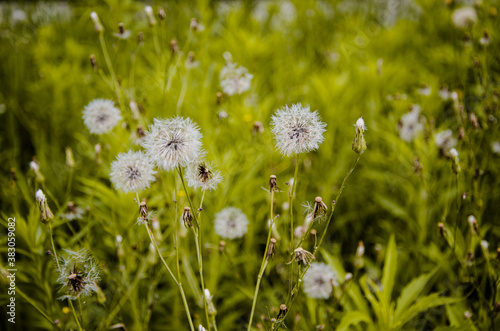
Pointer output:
x,y
293,294
264,262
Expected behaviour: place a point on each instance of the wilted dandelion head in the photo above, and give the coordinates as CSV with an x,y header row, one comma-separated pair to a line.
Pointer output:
x,y
78,274
202,175
445,140
234,79
101,116
231,223
297,129
73,212
464,17
410,124
172,142
318,281
132,171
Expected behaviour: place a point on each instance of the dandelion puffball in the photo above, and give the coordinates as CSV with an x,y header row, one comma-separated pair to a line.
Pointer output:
x,y
132,172
231,223
101,116
235,79
202,175
297,129
172,142
318,281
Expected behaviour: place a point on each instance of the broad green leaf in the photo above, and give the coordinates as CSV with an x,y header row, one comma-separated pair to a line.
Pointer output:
x,y
353,318
390,268
411,292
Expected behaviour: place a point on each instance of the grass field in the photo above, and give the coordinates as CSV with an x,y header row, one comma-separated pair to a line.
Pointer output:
x,y
340,161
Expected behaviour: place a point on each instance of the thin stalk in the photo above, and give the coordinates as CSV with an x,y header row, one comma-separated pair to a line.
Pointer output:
x,y
264,261
74,314
179,169
292,195
31,302
107,59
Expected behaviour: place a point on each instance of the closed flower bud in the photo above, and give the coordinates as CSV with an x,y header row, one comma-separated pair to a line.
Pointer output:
x,y
150,15
187,217
46,215
270,250
70,161
97,23
359,142
455,166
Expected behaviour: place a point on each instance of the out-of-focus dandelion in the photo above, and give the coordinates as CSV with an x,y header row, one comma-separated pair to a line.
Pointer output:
x,y
150,15
485,39
301,255
78,274
318,281
454,158
445,140
202,175
73,213
297,129
101,116
210,305
132,171
410,124
231,223
122,33
464,17
495,147
173,142
97,23
235,79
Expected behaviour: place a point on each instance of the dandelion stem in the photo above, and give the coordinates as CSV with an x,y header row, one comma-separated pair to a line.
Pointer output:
x,y
74,314
177,282
111,70
264,261
291,197
179,169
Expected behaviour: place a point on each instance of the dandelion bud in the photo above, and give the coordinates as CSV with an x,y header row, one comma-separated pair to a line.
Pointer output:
x,y
257,128
347,278
210,305
70,161
455,166
473,223
187,217
222,246
301,254
161,14
174,48
441,230
219,97
93,61
97,149
270,251
283,311
417,167
150,15
319,209
143,209
45,212
473,121
359,142
97,23
273,185
360,252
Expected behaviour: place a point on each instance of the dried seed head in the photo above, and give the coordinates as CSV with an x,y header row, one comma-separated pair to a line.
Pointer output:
x,y
441,230
140,132
301,254
270,250
161,14
470,258
140,37
283,311
222,246
257,128
194,24
174,48
473,223
273,184
417,167
473,121
93,61
121,29
219,97
187,217
319,209
143,209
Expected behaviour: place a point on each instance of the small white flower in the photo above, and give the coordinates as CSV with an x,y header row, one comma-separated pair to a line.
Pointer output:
x,y
297,129
444,93
318,281
132,172
495,146
78,274
235,79
202,175
485,244
464,17
410,124
445,140
173,142
231,223
101,116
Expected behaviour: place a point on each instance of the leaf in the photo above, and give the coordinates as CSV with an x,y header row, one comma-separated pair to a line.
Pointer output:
x,y
390,268
411,292
423,304
371,298
353,318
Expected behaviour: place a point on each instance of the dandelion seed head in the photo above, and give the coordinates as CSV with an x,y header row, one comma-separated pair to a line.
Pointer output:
x,y
234,79
101,116
78,274
445,140
202,175
318,281
172,142
464,17
40,197
132,172
410,124
297,129
231,223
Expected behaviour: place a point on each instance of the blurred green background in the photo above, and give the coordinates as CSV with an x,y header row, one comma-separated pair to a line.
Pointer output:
x,y
346,59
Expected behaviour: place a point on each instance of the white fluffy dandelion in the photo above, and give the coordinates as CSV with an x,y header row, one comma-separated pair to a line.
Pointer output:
x,y
173,142
78,274
410,124
297,129
464,17
132,171
202,175
231,223
318,281
235,79
445,140
101,116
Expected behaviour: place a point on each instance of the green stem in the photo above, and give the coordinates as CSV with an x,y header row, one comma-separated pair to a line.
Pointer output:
x,y
179,169
74,314
107,59
264,261
292,195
